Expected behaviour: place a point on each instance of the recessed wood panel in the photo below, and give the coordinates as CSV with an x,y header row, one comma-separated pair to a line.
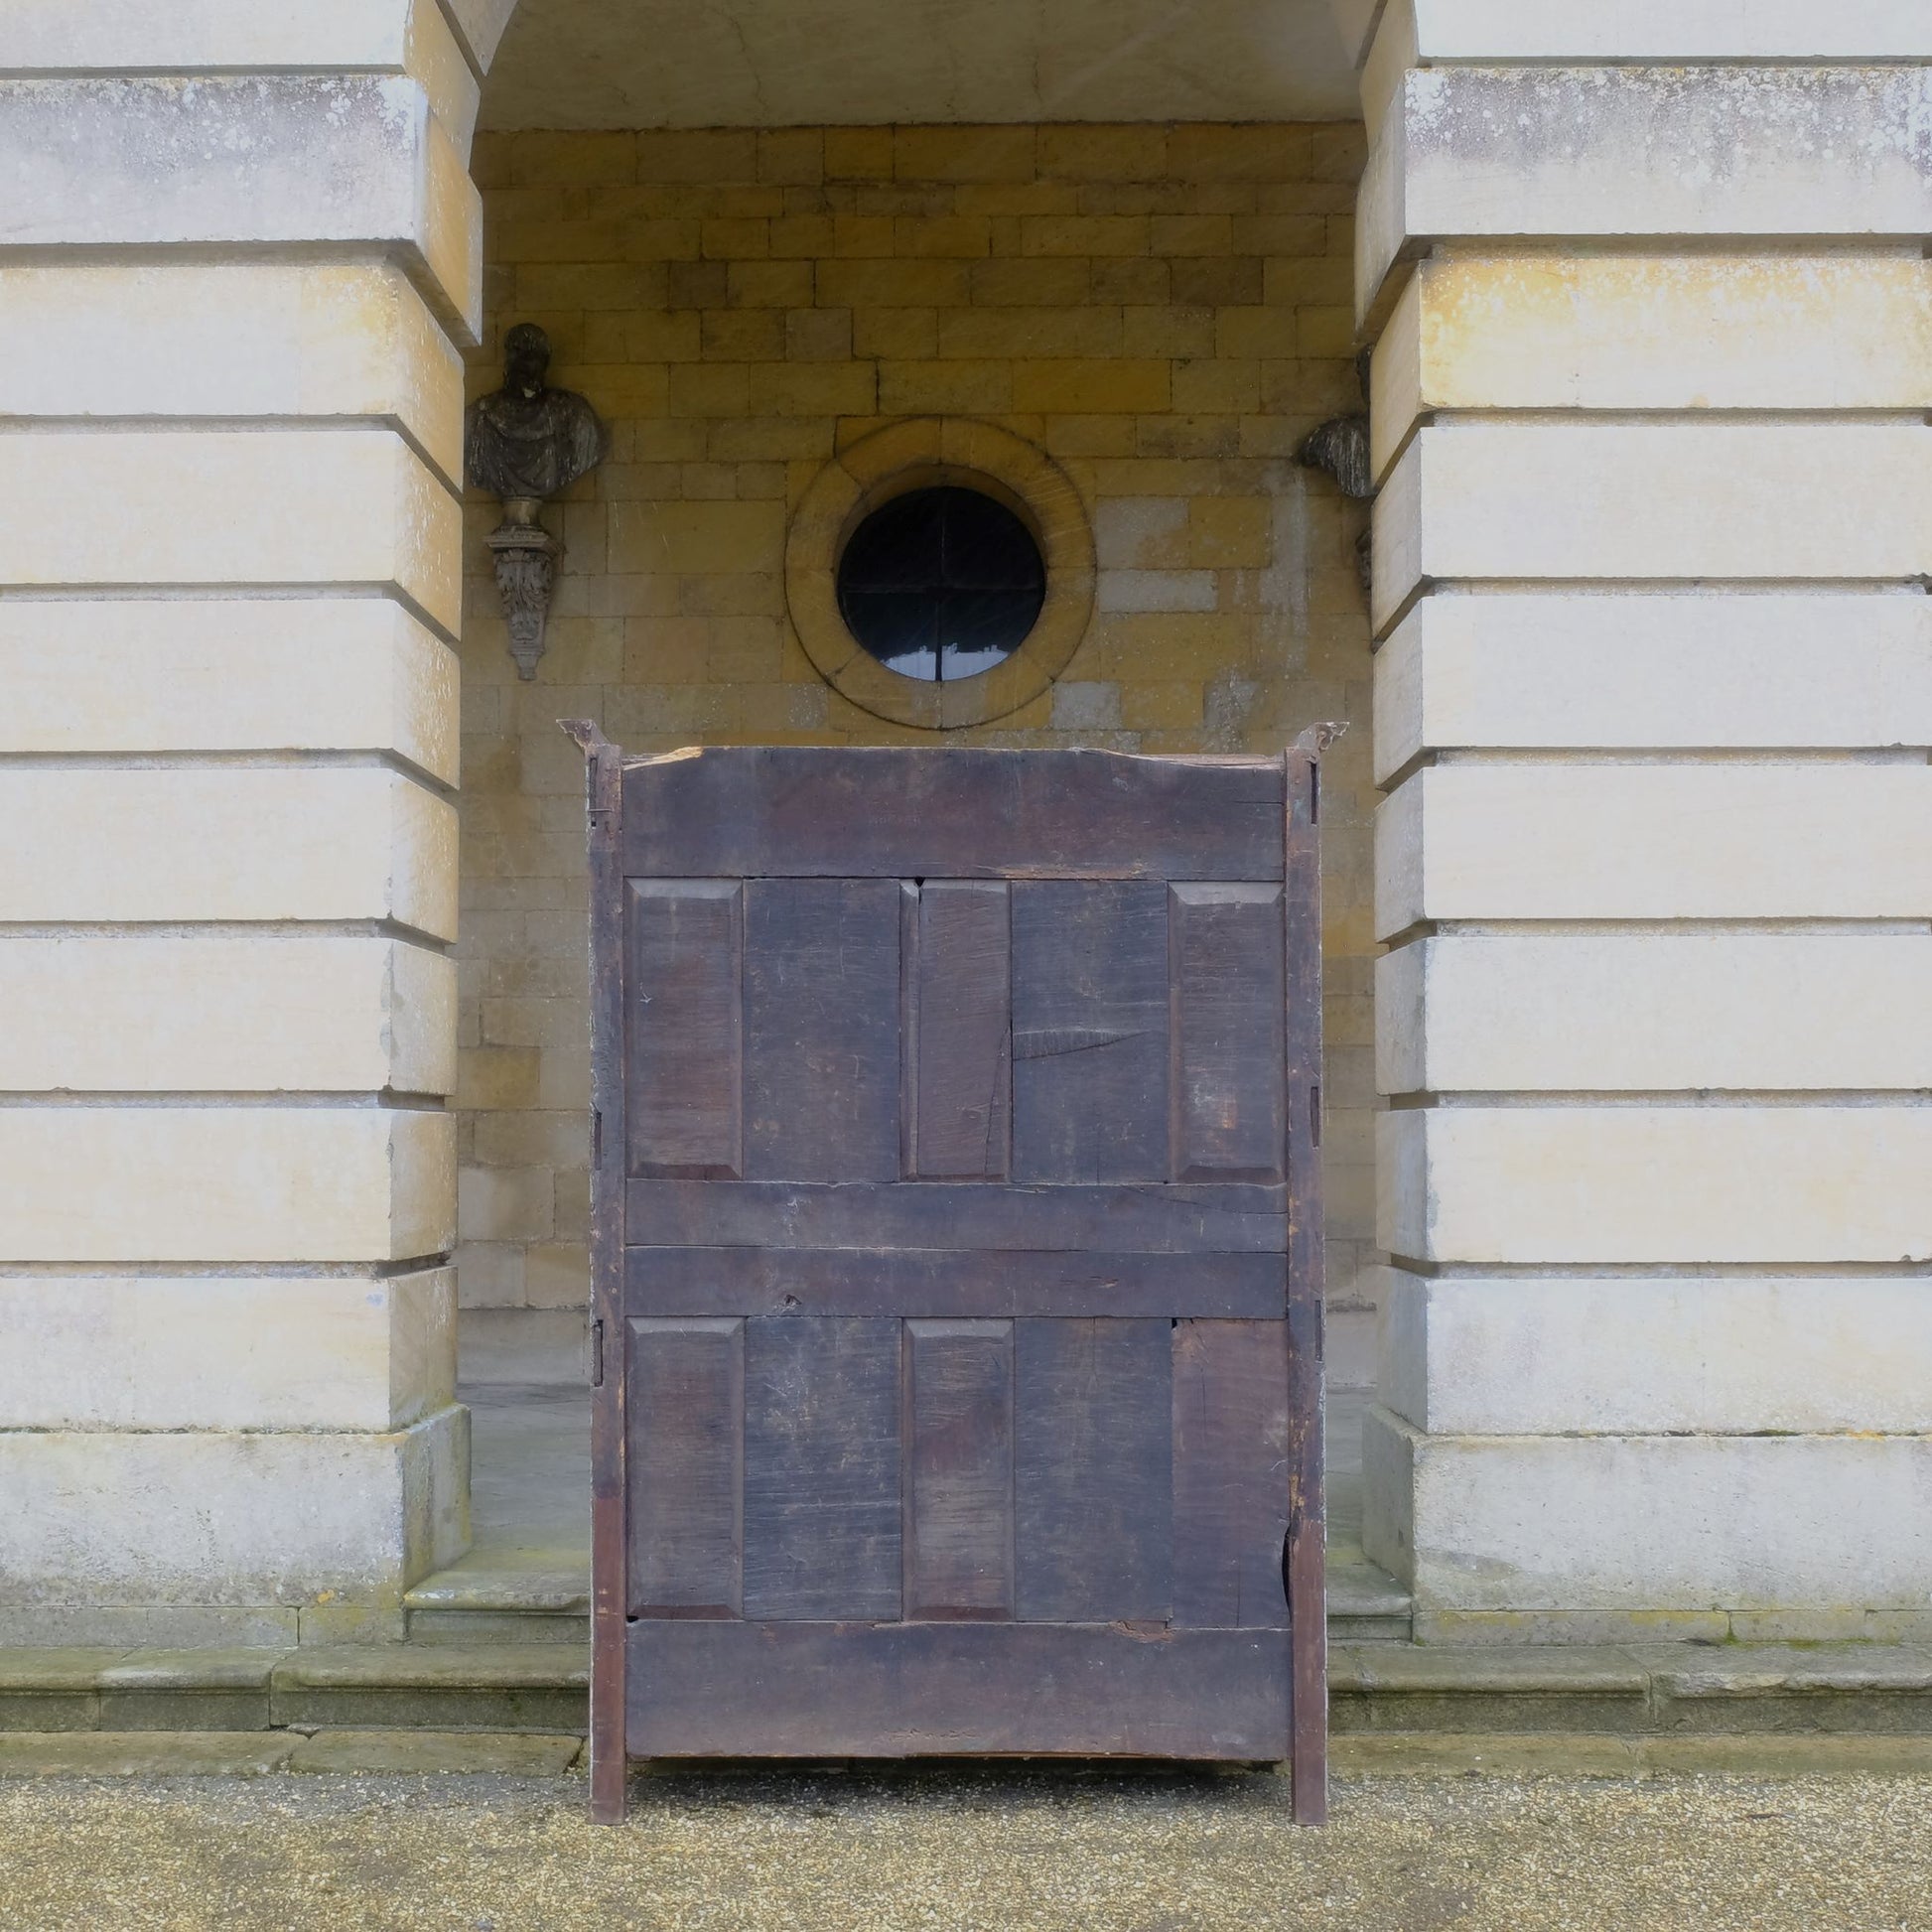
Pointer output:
x,y
685,1421
962,813
683,945
959,1470
1093,1481
821,1469
906,1690
1090,1030
821,1030
1230,1473
959,1046
1226,963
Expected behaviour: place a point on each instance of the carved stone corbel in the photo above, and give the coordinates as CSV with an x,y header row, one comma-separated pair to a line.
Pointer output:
x,y
526,444
1339,448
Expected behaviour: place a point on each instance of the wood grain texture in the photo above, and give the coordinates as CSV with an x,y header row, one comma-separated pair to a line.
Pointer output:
x,y
686,1416
610,1562
1307,1606
1093,1485
1226,979
821,1469
1231,1217
822,1690
958,1449
954,813
821,1030
964,1283
1090,1010
960,1045
1230,1474
684,942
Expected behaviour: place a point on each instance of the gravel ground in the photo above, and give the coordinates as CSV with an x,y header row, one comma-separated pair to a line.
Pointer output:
x,y
993,1854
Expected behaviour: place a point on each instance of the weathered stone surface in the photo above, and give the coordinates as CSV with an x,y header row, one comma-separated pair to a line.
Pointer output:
x,y
226,1352
1406,1686
311,507
1438,1753
1630,151
523,1754
1654,1012
207,1517
232,844
513,1686
1596,502
1825,1185
215,1184
1534,671
127,1626
1648,1522
145,1753
1788,1756
220,160
1523,1356
1541,331
1628,841
126,35
1465,1630
1666,30
132,1013
226,674
230,339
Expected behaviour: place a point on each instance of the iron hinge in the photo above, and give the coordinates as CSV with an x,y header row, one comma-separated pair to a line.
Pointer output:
x,y
597,1354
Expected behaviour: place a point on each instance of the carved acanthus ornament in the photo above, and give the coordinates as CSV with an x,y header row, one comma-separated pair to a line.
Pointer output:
x,y
526,444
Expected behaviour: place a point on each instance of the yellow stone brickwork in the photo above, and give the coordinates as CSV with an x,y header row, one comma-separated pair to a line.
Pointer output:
x,y
1163,310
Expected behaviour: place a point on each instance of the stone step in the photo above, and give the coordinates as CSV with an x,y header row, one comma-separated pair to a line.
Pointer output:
x,y
1394,1689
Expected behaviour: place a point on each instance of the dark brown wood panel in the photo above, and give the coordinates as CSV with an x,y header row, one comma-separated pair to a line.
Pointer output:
x,y
958,1030
1094,1404
957,1258
903,1689
952,813
1230,1217
821,1030
684,941
686,1421
1090,1030
1230,1474
821,1469
1226,990
958,1449
964,1283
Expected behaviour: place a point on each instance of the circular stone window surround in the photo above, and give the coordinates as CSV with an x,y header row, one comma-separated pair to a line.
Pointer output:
x,y
921,454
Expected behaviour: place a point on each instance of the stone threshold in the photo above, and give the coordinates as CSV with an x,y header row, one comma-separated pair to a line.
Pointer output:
x,y
1612,1692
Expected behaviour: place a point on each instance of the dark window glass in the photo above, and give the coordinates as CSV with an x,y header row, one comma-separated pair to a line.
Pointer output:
x,y
941,584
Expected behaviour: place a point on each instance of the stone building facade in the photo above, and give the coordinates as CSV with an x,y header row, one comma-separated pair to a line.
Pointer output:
x,y
1628,1148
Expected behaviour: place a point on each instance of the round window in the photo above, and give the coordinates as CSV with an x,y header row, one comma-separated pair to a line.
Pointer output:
x,y
941,584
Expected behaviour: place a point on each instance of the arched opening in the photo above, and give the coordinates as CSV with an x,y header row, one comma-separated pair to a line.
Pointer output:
x,y
757,238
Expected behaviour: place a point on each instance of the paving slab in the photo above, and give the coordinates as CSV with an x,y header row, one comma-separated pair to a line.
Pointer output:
x,y
508,1754
144,1754
1441,1753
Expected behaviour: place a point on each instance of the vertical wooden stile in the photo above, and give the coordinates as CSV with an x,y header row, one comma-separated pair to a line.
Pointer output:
x,y
610,1558
1304,1559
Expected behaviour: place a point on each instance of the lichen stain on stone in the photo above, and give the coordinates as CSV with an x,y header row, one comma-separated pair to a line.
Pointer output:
x,y
1708,123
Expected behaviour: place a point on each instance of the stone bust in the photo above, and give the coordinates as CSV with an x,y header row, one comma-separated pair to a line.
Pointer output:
x,y
528,441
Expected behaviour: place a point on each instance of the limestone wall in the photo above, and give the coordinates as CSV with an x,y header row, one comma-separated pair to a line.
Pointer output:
x,y
1165,310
